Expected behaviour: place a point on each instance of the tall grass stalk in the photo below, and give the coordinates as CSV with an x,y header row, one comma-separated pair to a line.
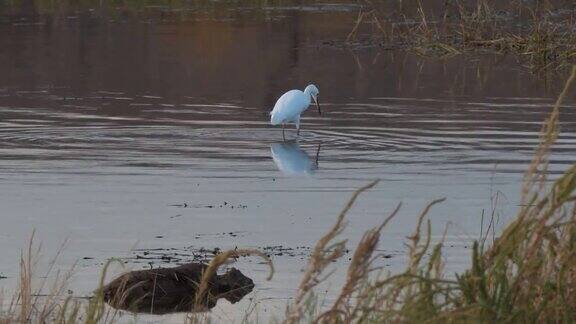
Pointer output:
x,y
527,274
218,261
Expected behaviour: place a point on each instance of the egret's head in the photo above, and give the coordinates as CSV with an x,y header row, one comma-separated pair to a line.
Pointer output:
x,y
313,91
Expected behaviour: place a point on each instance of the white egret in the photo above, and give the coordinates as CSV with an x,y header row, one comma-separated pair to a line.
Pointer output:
x,y
291,104
292,160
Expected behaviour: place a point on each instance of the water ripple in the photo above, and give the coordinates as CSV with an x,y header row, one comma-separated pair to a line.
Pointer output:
x,y
142,131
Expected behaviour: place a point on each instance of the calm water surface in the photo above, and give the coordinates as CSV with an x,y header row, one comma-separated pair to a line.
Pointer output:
x,y
128,135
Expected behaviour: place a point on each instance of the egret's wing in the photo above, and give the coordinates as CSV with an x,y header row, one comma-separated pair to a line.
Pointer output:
x,y
288,106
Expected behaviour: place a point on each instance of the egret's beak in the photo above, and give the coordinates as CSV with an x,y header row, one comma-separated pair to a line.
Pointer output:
x,y
316,100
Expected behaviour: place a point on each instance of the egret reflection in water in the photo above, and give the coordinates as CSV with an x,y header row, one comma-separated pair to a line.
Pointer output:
x,y
292,160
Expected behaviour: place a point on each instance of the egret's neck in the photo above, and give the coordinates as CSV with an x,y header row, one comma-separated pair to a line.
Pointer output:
x,y
308,93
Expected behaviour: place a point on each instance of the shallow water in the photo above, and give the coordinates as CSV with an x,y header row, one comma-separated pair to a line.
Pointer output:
x,y
119,136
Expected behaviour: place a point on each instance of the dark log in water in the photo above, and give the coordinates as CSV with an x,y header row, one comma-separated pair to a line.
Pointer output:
x,y
170,290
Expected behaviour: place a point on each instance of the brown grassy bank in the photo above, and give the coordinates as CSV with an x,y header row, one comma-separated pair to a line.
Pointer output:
x,y
541,34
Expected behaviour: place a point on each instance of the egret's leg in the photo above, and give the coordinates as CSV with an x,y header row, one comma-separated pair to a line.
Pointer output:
x,y
283,136
297,122
318,153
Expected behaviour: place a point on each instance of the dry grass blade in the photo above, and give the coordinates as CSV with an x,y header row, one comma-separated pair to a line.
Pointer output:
x,y
416,252
323,254
218,261
31,303
536,173
357,24
359,269
526,275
